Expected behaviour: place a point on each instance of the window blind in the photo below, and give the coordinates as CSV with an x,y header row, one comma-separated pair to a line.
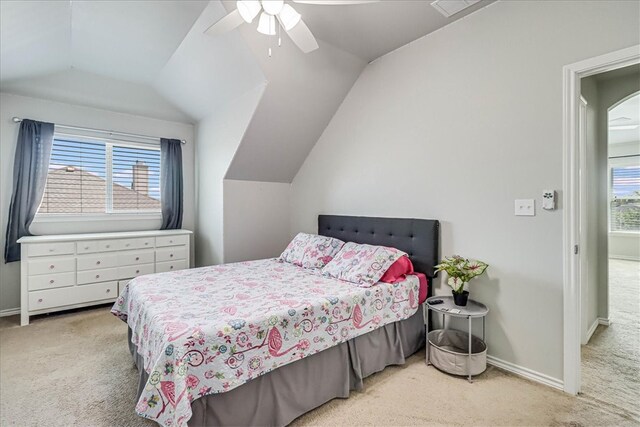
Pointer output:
x,y
625,198
94,177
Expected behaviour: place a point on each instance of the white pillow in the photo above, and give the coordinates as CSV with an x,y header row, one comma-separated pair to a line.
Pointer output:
x,y
361,264
311,250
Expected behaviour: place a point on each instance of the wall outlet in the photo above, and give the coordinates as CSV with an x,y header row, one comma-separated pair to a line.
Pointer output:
x,y
525,207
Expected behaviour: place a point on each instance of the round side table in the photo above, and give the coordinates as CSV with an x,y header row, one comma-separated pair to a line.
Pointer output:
x,y
472,310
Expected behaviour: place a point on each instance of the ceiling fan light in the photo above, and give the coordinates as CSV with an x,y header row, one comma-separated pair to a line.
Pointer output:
x,y
289,17
272,7
248,9
267,24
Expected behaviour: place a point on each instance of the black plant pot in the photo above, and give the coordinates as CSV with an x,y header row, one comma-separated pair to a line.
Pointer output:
x,y
460,299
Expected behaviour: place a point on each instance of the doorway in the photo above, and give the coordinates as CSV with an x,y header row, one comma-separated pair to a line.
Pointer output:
x,y
581,242
610,280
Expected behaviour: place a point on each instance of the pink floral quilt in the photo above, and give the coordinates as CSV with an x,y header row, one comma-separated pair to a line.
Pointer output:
x,y
209,330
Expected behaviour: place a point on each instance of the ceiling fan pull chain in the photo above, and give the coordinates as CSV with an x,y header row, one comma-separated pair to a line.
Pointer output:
x,y
279,35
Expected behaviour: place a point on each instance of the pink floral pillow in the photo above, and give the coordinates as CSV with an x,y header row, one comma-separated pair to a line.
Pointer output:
x,y
311,250
363,265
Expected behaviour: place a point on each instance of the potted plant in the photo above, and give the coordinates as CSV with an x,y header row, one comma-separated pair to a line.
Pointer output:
x,y
460,271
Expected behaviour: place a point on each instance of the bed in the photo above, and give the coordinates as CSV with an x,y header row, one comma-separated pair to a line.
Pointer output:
x,y
263,342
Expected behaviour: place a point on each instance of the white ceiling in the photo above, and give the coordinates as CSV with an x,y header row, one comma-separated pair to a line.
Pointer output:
x,y
627,113
93,90
373,29
151,58
127,40
139,57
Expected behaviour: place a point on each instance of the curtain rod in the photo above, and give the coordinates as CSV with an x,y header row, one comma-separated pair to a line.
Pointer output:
x,y
109,132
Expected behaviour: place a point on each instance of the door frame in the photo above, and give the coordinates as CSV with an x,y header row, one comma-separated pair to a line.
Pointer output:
x,y
575,201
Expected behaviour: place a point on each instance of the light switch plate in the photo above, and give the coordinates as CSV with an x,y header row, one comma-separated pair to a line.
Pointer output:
x,y
525,207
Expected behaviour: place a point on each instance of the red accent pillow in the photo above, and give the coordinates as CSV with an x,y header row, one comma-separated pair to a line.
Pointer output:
x,y
398,270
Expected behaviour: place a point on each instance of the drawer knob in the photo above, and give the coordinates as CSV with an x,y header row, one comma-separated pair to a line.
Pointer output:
x,y
170,241
170,255
137,271
137,258
127,245
86,247
107,246
51,281
39,299
171,267
97,276
146,243
51,267
97,262
51,250
108,290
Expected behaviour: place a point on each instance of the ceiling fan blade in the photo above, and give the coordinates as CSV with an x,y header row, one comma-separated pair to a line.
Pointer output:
x,y
302,37
335,2
228,23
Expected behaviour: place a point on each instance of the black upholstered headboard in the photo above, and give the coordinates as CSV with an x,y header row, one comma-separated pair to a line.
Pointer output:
x,y
419,238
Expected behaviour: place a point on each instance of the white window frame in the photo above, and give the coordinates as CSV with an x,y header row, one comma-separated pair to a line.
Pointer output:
x,y
109,214
631,160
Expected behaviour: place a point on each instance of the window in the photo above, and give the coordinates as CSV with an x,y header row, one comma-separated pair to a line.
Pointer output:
x,y
88,176
624,189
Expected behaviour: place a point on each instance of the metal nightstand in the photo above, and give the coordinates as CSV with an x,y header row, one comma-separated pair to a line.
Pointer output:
x,y
472,310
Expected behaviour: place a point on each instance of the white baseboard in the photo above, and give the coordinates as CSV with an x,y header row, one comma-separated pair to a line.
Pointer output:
x,y
603,321
591,330
624,257
9,312
526,373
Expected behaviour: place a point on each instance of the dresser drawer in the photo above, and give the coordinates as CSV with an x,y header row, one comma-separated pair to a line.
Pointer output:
x,y
102,275
49,281
97,261
136,257
171,253
40,300
109,245
172,240
44,249
132,271
138,243
162,267
87,246
51,265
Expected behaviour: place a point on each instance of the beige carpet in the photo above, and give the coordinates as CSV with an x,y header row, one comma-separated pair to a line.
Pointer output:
x,y
74,369
611,359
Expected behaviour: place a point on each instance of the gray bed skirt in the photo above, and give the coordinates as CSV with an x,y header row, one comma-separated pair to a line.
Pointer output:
x,y
279,397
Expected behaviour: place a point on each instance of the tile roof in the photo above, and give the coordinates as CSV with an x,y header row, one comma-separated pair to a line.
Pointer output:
x,y
74,190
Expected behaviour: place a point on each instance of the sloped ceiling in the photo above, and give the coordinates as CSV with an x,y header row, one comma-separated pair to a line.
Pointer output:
x,y
140,57
97,91
152,58
206,72
375,29
305,90
302,94
130,40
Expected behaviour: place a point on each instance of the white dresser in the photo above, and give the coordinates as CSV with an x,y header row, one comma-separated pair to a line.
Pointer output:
x,y
79,270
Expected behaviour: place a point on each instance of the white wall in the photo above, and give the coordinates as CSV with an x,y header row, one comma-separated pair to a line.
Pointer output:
x,y
218,137
256,219
56,112
457,125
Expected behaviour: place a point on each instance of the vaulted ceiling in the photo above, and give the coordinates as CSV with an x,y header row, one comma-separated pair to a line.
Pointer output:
x,y
151,58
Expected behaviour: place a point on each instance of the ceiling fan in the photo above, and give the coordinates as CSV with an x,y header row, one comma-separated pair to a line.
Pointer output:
x,y
276,14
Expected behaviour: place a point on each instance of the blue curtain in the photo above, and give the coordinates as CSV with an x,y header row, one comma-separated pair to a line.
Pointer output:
x,y
30,167
171,183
